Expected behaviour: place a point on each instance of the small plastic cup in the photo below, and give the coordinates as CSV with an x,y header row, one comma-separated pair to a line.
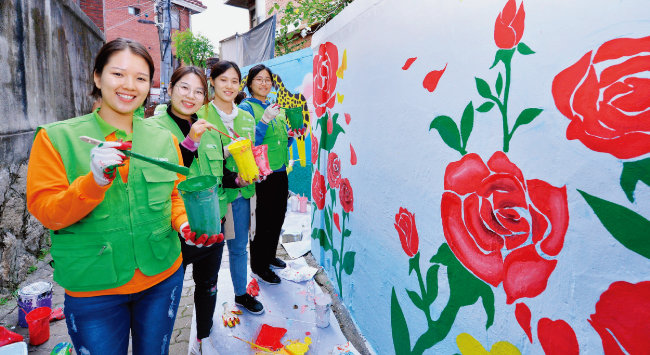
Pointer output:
x,y
38,322
261,154
200,195
303,204
294,116
242,153
323,302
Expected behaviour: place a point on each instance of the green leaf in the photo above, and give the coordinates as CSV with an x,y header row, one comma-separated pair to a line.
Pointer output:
x,y
526,116
328,224
347,233
524,49
335,257
448,131
327,141
626,226
464,289
314,233
415,298
348,262
414,262
632,173
333,197
432,284
485,107
467,123
483,88
499,84
399,327
503,55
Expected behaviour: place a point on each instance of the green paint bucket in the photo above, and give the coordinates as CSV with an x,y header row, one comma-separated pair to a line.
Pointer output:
x,y
201,198
294,115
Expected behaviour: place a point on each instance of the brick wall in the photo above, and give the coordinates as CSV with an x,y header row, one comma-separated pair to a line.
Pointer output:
x,y
119,23
94,9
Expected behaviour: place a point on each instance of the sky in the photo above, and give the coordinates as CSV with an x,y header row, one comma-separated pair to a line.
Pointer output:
x,y
220,21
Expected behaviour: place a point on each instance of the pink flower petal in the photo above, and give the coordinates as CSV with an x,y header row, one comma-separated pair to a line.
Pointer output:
x,y
408,63
353,156
522,313
431,80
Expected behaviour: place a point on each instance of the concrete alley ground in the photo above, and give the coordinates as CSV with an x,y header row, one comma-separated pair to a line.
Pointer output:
x,y
285,306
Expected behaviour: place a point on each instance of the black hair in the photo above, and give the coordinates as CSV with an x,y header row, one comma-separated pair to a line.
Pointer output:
x,y
118,45
252,73
220,67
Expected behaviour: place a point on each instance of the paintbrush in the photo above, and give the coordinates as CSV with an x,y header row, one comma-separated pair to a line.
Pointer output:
x,y
155,161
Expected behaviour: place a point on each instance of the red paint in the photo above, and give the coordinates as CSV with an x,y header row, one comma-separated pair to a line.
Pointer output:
x,y
557,337
330,124
522,313
326,63
318,190
253,288
353,155
622,318
407,231
8,337
346,197
335,217
610,112
333,170
307,333
485,221
509,26
347,118
431,80
408,63
269,337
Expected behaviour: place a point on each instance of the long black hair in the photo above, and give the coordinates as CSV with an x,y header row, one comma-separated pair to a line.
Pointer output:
x,y
220,67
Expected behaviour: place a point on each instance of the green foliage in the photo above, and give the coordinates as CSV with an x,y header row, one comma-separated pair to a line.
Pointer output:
x,y
192,49
626,226
400,330
632,173
3,301
309,15
42,254
31,269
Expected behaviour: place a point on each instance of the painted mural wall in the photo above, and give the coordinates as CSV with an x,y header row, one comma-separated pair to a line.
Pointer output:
x,y
294,89
482,174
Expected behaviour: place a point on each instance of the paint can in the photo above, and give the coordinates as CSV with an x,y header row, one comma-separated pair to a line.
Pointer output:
x,y
303,204
323,302
295,203
201,198
32,296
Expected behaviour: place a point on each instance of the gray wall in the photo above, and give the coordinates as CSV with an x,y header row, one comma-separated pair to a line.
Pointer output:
x,y
47,49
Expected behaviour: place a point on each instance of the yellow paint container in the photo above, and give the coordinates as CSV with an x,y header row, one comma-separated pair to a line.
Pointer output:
x,y
243,155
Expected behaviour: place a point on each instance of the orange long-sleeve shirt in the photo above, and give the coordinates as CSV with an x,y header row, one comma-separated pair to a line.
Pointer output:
x,y
58,204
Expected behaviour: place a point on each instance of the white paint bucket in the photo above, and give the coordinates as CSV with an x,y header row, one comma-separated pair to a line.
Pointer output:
x,y
323,302
32,296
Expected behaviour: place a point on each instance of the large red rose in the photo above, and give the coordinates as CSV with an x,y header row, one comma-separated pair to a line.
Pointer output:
x,y
408,232
622,318
491,211
314,148
605,95
318,190
333,170
326,63
509,26
345,195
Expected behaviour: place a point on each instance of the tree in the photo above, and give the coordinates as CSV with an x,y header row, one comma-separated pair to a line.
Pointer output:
x,y
310,14
192,49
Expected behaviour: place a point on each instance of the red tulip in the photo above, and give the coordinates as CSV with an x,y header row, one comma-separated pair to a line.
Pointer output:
x,y
509,26
408,232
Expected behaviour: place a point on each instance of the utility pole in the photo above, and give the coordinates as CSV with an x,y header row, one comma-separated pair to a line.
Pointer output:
x,y
163,8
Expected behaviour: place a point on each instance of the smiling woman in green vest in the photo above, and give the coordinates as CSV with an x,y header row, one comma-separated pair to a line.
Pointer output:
x,y
271,129
226,117
112,220
202,151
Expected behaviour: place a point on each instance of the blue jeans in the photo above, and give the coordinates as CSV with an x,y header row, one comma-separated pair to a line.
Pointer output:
x,y
101,324
237,254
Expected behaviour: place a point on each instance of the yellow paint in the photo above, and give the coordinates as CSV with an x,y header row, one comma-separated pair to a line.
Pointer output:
x,y
297,348
470,346
339,98
344,64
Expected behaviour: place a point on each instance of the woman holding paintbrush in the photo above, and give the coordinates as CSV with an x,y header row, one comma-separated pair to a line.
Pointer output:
x,y
202,151
271,129
112,221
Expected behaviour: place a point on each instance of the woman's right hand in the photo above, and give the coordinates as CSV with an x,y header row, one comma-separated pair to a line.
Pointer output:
x,y
270,113
198,128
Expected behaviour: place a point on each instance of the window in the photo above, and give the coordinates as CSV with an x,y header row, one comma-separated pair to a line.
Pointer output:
x,y
135,11
176,23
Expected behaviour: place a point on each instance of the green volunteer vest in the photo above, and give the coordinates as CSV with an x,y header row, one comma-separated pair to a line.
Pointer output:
x,y
244,125
276,137
131,228
210,155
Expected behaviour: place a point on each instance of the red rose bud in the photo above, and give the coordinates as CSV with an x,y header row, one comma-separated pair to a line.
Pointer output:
x,y
346,196
326,63
314,148
408,232
509,26
337,223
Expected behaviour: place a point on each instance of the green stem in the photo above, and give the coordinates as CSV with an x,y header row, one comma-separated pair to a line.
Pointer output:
x,y
426,310
340,271
504,108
